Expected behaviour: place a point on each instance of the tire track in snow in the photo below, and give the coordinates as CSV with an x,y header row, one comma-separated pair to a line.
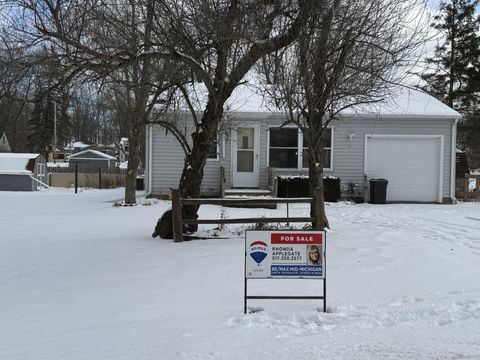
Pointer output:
x,y
461,234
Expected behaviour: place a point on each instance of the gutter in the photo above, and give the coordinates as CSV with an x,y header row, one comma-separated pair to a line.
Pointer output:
x,y
453,164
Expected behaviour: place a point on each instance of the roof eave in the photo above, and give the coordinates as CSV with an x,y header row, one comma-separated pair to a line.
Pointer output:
x,y
404,116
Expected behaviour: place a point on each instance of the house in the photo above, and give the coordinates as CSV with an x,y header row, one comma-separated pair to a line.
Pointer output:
x,y
92,159
123,150
74,146
410,140
22,172
4,144
56,154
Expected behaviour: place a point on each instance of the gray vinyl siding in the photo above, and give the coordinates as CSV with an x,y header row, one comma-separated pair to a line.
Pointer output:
x,y
167,165
13,182
349,155
168,156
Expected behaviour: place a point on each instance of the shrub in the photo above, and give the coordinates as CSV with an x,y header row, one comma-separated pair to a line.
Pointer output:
x,y
297,186
331,188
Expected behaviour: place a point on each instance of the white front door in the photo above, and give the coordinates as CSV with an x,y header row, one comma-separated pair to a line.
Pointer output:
x,y
245,148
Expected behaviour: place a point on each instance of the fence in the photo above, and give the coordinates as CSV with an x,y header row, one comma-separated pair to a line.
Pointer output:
x,y
89,180
85,170
179,221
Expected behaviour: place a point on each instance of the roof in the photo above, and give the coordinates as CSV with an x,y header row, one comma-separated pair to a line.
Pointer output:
x,y
407,102
17,163
76,145
57,164
403,102
95,152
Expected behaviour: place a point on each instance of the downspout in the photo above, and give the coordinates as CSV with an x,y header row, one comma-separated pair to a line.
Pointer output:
x,y
453,164
148,135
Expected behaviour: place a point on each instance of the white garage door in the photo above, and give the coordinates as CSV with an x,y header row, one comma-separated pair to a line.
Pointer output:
x,y
412,166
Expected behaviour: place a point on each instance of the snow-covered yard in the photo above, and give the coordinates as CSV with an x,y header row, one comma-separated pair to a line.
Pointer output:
x,y
82,279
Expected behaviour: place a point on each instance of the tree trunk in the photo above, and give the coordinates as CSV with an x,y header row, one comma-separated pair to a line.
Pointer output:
x,y
133,162
192,174
315,179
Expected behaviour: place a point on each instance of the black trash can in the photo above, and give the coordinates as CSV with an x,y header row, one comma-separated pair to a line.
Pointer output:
x,y
140,183
378,191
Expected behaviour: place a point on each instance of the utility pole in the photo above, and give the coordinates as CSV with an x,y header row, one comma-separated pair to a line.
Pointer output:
x,y
54,131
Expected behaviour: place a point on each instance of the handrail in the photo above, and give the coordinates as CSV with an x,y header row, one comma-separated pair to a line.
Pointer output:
x,y
40,182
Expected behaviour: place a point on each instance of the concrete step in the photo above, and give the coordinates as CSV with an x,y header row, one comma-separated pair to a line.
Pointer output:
x,y
247,192
250,193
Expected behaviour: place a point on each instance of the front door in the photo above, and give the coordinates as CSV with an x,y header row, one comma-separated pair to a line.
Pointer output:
x,y
245,147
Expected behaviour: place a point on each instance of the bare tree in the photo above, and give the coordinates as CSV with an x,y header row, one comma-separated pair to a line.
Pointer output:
x,y
220,41
15,89
349,54
108,41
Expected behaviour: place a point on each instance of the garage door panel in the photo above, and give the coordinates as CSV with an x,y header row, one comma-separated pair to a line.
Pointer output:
x,y
410,164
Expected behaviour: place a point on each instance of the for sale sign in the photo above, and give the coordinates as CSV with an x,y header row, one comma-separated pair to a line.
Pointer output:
x,y
285,254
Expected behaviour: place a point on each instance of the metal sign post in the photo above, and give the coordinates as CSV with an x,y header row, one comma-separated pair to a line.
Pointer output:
x,y
285,255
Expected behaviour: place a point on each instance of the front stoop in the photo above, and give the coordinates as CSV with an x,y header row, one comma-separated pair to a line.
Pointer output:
x,y
250,194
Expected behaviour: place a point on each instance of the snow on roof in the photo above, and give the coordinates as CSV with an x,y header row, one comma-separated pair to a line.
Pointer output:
x,y
403,102
245,98
76,145
15,163
123,165
96,152
58,164
406,102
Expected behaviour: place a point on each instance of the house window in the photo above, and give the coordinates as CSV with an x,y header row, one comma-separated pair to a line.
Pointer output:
x,y
327,151
286,149
283,152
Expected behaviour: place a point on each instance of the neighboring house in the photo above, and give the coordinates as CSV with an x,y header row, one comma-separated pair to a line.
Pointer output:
x,y
107,149
123,151
57,155
74,146
92,159
4,144
22,172
409,140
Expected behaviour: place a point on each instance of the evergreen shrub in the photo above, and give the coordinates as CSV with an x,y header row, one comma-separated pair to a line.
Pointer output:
x,y
297,186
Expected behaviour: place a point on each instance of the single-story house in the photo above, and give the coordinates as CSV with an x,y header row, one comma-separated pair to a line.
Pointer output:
x,y
410,140
22,172
92,159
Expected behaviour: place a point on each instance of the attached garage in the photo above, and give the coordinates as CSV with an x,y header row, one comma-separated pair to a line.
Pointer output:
x,y
412,164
